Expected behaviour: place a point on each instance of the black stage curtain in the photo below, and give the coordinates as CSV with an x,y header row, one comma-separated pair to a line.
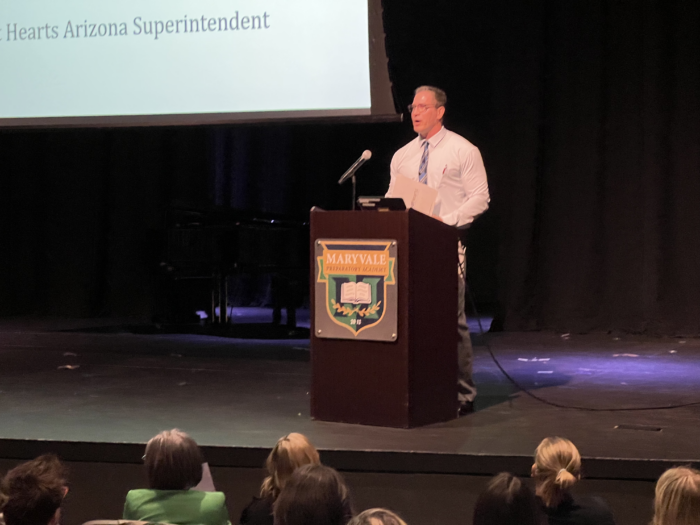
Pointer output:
x,y
596,147
81,216
587,114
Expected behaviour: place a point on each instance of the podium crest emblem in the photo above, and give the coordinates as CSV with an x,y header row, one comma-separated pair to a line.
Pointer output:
x,y
358,279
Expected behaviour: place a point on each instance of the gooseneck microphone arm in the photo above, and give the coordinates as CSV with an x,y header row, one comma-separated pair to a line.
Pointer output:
x,y
366,155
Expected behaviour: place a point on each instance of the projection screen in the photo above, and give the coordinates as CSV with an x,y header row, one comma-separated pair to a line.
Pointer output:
x,y
171,62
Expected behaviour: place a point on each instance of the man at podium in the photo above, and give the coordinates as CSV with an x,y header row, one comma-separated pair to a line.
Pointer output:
x,y
453,166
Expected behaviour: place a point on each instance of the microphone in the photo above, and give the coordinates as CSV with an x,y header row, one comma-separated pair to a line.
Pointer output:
x,y
366,155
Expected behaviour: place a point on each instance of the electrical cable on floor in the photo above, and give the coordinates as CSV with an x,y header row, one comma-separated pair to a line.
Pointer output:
x,y
552,403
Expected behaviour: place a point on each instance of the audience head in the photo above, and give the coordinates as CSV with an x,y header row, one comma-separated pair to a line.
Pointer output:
x,y
313,495
291,452
506,501
32,492
377,517
173,461
677,500
557,467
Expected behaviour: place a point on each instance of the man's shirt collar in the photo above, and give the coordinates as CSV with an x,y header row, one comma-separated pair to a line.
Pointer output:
x,y
435,139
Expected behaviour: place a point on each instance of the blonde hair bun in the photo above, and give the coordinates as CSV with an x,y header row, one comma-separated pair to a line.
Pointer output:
x,y
565,479
291,452
557,468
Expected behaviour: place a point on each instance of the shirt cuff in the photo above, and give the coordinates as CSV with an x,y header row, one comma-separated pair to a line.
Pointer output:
x,y
451,219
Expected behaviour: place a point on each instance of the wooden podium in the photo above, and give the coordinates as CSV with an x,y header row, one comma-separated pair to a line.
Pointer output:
x,y
412,380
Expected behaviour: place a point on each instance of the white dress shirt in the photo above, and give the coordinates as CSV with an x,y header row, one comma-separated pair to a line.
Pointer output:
x,y
455,169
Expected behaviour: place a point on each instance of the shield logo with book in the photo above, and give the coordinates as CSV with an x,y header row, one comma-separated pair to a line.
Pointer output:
x,y
358,283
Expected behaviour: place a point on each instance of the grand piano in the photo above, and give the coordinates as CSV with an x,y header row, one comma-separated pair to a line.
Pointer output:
x,y
209,246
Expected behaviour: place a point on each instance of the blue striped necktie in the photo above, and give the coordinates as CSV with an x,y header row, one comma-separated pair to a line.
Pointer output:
x,y
423,169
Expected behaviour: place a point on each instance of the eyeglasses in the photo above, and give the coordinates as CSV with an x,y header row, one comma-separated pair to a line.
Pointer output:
x,y
420,108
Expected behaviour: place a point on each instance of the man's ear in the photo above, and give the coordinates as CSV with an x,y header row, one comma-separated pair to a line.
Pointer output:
x,y
56,519
441,112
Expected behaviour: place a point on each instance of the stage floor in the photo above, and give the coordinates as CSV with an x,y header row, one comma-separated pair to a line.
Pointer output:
x,y
245,394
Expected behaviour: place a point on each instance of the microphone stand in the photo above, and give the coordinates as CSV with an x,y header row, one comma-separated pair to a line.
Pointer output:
x,y
354,192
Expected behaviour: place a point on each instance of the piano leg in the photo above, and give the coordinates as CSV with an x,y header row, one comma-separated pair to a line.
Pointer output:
x,y
285,294
213,299
219,299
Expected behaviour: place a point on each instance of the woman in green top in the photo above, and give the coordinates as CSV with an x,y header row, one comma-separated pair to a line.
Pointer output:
x,y
174,465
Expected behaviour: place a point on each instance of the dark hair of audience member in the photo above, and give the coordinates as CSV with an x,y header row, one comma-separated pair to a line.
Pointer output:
x,y
507,501
377,517
32,492
173,461
677,500
556,469
313,495
291,452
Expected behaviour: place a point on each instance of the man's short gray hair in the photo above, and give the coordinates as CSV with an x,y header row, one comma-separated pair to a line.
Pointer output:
x,y
440,95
